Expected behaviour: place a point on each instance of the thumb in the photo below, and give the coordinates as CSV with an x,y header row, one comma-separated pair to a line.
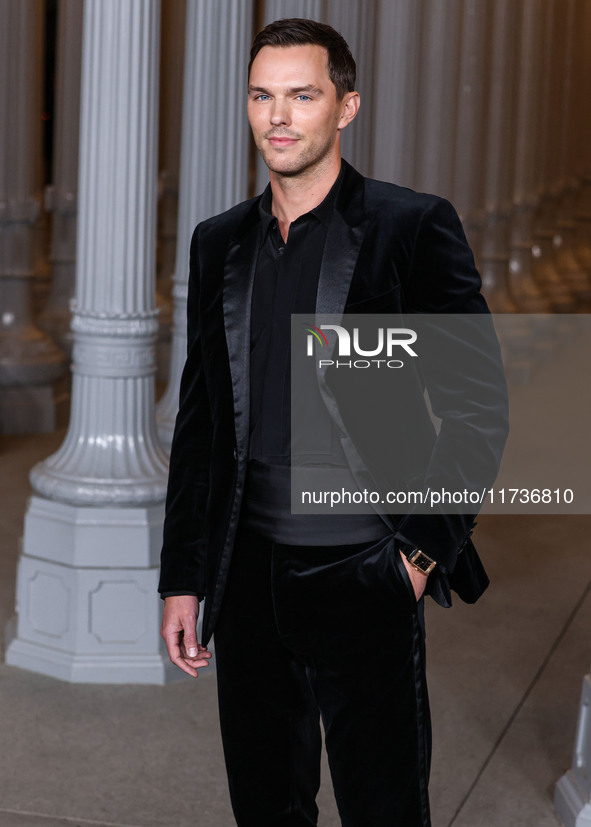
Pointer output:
x,y
190,639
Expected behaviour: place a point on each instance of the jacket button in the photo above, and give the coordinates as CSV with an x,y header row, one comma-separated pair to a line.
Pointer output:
x,y
235,453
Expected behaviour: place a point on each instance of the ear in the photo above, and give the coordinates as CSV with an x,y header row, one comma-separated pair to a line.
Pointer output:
x,y
349,108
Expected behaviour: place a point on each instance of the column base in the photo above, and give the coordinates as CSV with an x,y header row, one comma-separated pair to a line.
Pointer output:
x,y
148,669
572,809
572,796
87,602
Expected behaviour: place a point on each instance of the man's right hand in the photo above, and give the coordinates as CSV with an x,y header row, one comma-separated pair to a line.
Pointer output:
x,y
179,631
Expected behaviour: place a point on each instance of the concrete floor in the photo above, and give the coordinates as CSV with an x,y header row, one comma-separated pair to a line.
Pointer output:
x,y
505,677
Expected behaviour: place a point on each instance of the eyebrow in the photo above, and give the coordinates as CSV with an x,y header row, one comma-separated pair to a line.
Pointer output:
x,y
290,90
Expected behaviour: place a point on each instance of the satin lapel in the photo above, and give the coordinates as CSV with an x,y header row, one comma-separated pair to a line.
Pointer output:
x,y
239,272
341,250
343,243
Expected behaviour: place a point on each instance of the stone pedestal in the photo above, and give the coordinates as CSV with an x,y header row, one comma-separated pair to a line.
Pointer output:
x,y
552,281
86,598
572,797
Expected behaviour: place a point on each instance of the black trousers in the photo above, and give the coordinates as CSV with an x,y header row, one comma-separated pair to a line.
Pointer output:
x,y
333,632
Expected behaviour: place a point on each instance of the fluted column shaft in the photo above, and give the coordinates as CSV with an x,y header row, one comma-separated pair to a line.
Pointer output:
x,y
470,146
61,196
437,96
28,359
111,453
549,113
395,77
526,293
567,183
498,169
214,150
171,103
581,135
358,23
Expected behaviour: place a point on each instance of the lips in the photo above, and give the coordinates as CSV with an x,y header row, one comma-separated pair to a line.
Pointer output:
x,y
282,141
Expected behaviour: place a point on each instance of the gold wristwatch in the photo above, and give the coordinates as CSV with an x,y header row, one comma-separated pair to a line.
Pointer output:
x,y
419,560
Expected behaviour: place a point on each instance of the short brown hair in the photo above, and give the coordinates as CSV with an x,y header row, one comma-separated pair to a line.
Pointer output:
x,y
297,31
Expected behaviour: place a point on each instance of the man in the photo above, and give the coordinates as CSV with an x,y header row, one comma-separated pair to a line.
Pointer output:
x,y
313,617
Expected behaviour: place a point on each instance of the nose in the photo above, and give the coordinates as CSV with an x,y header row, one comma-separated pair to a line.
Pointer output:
x,y
280,112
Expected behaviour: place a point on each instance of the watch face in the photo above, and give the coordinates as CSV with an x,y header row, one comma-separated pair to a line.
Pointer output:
x,y
421,561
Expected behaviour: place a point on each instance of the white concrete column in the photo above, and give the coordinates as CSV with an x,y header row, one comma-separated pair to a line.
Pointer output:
x,y
437,96
498,169
550,112
29,361
169,146
498,142
61,195
395,103
468,193
279,9
358,23
572,796
87,578
581,135
214,150
564,240
525,291
172,52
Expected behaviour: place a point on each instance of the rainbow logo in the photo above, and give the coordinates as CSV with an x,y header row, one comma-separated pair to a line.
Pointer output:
x,y
318,335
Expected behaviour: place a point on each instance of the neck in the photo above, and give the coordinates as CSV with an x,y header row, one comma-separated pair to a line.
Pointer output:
x,y
298,194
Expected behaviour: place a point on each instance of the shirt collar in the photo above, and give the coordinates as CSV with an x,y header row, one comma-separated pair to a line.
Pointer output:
x,y
322,212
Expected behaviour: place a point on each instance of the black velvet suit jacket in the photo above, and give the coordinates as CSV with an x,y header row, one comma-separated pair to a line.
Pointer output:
x,y
388,250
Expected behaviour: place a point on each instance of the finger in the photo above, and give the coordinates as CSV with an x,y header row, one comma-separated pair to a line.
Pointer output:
x,y
177,656
197,663
200,651
190,635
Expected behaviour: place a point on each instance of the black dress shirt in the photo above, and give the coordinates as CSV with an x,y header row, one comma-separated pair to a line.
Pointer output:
x,y
286,282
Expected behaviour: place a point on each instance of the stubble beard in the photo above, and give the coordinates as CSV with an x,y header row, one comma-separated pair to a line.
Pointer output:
x,y
312,158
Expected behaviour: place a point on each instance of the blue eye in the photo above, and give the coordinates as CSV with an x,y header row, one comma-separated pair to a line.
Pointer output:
x,y
262,97
304,97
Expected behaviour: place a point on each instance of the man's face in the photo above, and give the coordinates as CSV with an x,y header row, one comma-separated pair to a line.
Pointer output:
x,y
293,108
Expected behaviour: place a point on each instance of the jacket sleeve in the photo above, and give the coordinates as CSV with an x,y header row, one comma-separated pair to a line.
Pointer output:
x,y
183,557
463,372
